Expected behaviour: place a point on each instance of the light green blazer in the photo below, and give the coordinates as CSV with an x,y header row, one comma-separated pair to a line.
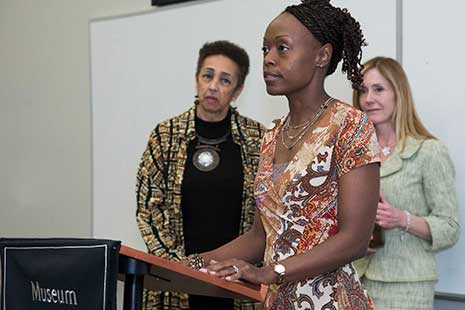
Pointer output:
x,y
421,180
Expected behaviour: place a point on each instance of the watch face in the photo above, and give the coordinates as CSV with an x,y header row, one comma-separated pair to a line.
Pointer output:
x,y
279,269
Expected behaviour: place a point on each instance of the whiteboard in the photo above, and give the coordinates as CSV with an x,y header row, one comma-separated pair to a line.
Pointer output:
x,y
142,72
433,51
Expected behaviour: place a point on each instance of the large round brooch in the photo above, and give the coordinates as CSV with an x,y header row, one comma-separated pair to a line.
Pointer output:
x,y
206,158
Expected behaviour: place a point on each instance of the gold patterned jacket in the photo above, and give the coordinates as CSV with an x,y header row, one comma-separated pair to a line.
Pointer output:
x,y
158,191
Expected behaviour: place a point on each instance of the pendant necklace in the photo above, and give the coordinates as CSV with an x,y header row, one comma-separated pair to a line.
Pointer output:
x,y
386,150
207,157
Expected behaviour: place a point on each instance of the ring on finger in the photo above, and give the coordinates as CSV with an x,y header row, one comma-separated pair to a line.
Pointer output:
x,y
236,269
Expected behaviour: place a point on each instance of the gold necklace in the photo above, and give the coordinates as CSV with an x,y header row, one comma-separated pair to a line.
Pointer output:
x,y
306,126
292,137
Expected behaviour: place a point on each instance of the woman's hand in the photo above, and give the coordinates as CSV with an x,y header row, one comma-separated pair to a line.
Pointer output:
x,y
388,216
236,269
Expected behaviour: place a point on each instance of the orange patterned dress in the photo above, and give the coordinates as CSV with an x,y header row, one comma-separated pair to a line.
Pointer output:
x,y
299,208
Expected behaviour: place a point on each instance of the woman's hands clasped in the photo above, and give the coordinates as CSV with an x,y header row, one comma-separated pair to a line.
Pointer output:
x,y
236,269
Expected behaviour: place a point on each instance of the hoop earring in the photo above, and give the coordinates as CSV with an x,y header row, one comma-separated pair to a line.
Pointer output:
x,y
196,101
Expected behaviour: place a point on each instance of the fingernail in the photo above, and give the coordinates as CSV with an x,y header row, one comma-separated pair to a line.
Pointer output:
x,y
213,261
228,278
212,272
204,270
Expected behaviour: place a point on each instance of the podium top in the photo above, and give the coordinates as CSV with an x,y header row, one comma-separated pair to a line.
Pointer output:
x,y
166,275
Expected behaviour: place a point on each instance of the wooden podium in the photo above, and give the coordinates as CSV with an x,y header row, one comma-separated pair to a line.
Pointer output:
x,y
140,270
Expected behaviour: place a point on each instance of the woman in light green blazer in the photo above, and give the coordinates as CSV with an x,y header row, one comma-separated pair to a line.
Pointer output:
x,y
418,206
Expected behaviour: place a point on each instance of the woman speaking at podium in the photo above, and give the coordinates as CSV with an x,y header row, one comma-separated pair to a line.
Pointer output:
x,y
317,184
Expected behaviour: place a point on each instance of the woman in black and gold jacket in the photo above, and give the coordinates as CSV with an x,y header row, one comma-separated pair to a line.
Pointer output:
x,y
195,180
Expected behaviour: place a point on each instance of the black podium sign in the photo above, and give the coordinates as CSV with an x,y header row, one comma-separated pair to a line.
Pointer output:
x,y
39,274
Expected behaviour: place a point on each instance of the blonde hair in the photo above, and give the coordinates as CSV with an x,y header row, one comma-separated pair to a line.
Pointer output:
x,y
405,118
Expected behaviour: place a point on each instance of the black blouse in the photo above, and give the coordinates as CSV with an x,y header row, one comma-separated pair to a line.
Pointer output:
x,y
211,201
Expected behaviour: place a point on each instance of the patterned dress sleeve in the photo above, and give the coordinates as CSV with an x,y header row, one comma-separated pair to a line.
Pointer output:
x,y
357,143
150,193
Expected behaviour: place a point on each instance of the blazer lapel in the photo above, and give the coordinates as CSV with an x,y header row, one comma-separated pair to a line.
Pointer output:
x,y
394,162
391,165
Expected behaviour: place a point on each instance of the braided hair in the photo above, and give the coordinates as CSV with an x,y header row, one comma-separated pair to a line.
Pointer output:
x,y
329,24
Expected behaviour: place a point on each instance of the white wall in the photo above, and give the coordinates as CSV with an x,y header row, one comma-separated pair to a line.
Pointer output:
x,y
433,58
45,133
